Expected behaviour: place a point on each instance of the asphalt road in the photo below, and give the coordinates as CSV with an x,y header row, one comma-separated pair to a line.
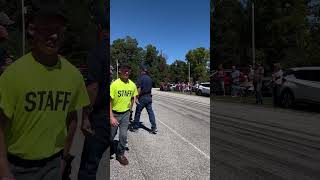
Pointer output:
x,y
180,150
257,143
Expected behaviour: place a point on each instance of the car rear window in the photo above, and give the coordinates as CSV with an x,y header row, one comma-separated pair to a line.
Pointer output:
x,y
309,75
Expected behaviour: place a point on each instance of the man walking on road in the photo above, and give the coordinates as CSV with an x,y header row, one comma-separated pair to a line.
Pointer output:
x,y
97,130
144,85
40,94
123,93
235,78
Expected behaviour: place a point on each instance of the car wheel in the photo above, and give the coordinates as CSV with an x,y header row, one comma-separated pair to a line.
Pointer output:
x,y
287,99
199,93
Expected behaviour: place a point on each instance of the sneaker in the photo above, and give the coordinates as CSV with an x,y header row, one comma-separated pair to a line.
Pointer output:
x,y
122,160
134,129
154,130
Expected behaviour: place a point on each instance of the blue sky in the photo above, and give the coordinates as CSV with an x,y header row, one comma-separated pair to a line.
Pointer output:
x,y
173,26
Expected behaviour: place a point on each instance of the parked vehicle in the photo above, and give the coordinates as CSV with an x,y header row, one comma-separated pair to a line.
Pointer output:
x,y
300,85
204,89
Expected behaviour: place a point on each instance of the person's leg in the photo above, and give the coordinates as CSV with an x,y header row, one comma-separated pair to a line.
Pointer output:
x,y
137,115
52,170
232,90
274,96
94,147
256,92
23,173
260,92
152,118
277,96
123,129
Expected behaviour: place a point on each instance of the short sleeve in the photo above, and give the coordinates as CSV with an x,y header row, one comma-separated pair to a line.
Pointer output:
x,y
7,94
81,97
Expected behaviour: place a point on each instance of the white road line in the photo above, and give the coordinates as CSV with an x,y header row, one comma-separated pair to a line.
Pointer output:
x,y
184,139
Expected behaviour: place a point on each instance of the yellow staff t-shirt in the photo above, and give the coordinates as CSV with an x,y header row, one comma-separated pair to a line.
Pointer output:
x,y
121,94
37,99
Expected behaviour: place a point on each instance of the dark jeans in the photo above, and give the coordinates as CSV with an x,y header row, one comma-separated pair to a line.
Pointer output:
x,y
235,89
123,120
258,91
94,146
145,102
50,171
276,95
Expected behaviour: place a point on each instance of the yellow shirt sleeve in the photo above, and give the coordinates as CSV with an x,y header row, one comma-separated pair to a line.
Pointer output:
x,y
8,96
80,98
112,90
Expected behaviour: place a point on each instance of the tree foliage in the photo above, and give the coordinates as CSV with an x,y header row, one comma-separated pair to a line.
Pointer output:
x,y
283,32
127,50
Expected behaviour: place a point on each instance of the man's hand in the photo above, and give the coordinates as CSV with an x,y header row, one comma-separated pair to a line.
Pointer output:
x,y
86,127
137,101
113,121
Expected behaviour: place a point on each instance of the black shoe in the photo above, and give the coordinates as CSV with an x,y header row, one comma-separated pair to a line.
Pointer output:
x,y
154,130
134,129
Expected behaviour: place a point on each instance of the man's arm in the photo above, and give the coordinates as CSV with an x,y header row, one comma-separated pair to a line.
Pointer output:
x,y
4,164
93,89
113,120
72,120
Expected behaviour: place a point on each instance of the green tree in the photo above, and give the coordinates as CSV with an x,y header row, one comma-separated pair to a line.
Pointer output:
x,y
198,59
127,51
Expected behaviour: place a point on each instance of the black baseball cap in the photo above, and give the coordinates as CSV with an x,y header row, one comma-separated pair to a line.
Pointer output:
x,y
123,66
50,8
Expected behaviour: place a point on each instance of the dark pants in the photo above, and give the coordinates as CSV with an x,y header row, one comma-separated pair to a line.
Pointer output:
x,y
276,95
94,146
123,120
258,91
145,102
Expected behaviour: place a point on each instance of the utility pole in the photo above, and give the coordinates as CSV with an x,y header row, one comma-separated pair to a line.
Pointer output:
x,y
253,37
189,71
117,69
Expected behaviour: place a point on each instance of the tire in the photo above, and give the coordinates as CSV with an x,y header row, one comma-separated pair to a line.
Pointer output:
x,y
287,99
199,93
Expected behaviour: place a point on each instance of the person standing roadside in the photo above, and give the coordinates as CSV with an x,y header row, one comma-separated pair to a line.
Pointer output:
x,y
221,77
123,94
38,116
235,78
144,85
257,82
277,81
250,73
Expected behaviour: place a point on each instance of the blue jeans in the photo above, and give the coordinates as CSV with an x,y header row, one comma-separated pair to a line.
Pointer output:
x,y
94,146
123,120
145,102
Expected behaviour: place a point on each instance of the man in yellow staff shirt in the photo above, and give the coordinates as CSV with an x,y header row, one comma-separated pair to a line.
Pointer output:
x,y
40,94
123,93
